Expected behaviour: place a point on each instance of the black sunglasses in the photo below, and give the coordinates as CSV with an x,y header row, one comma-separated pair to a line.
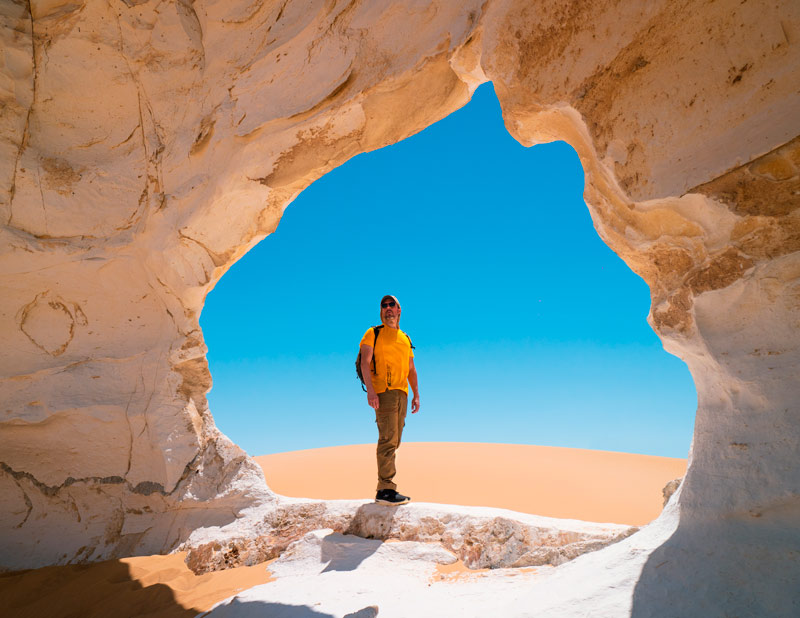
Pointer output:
x,y
391,303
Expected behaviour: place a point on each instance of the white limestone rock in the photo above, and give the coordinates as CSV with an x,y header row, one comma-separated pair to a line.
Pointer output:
x,y
330,574
145,147
481,537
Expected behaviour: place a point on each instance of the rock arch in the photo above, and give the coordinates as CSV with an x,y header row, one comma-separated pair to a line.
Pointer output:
x,y
148,145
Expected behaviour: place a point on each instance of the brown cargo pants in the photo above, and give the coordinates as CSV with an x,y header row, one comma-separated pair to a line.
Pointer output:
x,y
391,418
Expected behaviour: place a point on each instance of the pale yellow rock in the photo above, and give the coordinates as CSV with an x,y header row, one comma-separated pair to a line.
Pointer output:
x,y
145,147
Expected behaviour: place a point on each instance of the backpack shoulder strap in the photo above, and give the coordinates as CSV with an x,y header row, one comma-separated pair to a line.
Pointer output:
x,y
376,330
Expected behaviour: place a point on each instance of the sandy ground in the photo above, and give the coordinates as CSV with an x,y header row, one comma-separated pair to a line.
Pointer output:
x,y
145,586
556,482
567,483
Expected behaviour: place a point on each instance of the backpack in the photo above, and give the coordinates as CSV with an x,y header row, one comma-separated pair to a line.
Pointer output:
x,y
376,330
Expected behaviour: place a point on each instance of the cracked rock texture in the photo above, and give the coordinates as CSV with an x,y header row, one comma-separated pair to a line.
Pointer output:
x,y
146,145
480,537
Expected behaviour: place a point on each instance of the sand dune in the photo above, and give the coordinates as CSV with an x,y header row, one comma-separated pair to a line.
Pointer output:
x,y
569,483
557,482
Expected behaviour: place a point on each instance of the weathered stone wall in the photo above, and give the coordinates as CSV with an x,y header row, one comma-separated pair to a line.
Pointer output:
x,y
146,146
673,106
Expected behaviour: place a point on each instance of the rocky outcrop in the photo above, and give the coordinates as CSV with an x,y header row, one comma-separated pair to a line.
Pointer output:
x,y
480,537
147,146
669,489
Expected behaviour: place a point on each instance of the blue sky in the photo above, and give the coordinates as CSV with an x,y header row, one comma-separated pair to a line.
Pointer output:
x,y
528,329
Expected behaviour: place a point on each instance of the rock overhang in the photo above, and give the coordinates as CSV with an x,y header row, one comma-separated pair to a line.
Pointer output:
x,y
683,119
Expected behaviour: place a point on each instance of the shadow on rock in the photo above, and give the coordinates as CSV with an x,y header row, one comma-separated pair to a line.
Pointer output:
x,y
743,566
367,612
264,609
346,553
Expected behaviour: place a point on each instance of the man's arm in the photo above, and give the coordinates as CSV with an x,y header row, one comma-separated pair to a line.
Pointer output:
x,y
366,371
412,380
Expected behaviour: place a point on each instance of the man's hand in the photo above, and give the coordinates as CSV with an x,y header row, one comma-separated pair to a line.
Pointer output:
x,y
372,399
415,404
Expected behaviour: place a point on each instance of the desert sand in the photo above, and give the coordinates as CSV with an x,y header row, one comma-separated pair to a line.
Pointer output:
x,y
567,483
151,586
557,482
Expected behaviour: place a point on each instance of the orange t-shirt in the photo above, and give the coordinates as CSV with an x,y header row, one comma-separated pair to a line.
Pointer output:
x,y
391,358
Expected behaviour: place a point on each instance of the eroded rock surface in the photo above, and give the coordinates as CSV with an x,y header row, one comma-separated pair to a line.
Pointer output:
x,y
330,574
146,146
480,537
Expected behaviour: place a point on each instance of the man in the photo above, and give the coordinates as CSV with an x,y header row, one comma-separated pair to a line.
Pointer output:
x,y
387,391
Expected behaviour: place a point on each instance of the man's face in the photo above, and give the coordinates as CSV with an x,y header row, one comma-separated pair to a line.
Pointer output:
x,y
390,312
